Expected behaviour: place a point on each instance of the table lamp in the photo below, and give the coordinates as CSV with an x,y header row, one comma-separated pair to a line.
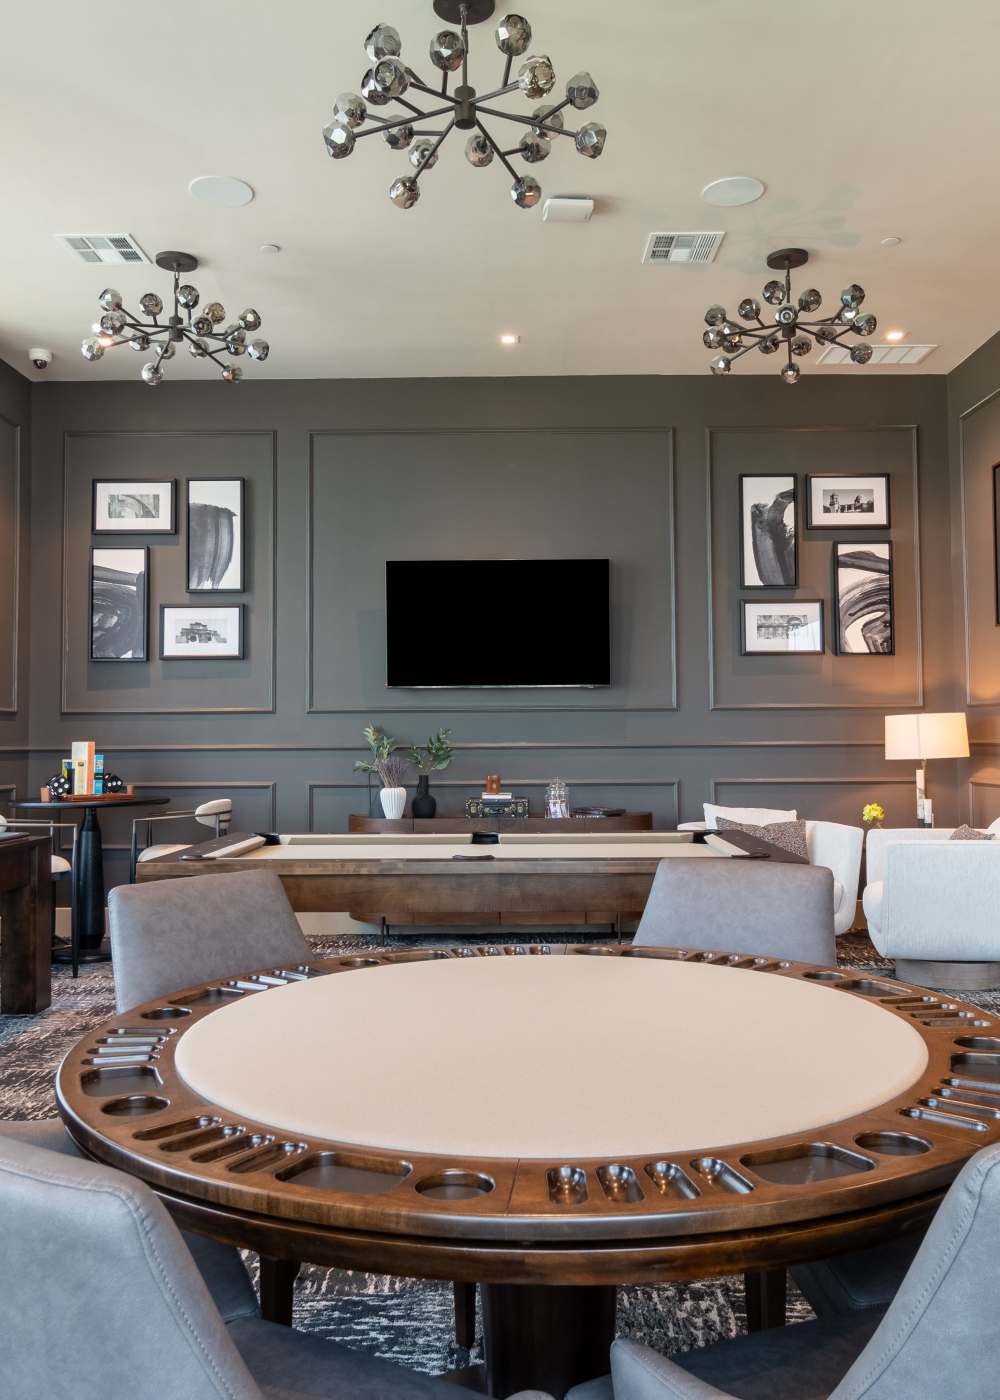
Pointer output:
x,y
922,737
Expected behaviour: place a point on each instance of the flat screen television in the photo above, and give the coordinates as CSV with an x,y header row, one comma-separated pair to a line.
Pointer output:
x,y
464,623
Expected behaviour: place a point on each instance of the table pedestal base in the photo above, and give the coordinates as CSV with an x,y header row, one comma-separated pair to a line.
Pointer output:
x,y
545,1338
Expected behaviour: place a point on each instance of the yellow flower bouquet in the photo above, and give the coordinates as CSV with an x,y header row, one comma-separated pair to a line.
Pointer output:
x,y
873,814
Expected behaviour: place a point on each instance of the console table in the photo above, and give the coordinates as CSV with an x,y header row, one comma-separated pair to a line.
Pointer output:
x,y
629,821
25,924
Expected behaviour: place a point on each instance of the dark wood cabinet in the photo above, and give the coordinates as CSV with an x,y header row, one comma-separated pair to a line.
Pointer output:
x,y
25,924
629,821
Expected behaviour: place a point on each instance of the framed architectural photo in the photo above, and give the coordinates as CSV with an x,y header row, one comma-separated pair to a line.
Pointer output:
x,y
122,507
118,603
203,633
781,628
215,534
847,502
862,591
769,546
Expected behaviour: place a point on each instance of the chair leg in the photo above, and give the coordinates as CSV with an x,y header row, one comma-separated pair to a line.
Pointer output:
x,y
276,1285
465,1315
766,1291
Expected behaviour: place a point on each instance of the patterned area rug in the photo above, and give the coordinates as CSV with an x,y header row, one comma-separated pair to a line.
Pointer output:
x,y
408,1321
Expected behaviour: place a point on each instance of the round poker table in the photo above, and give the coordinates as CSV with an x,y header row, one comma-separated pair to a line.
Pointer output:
x,y
545,1121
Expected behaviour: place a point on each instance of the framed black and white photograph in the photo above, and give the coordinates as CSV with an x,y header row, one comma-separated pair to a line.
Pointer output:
x,y
847,502
862,579
123,507
769,547
205,633
780,628
118,603
215,534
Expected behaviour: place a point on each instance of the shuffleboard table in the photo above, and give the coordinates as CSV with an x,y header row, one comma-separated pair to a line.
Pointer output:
x,y
400,880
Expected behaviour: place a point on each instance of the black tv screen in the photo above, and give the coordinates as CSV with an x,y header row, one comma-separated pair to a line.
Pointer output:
x,y
461,623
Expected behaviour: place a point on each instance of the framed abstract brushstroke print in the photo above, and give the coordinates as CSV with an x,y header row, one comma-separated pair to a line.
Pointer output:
x,y
215,534
847,502
780,628
201,633
862,591
118,603
123,507
769,546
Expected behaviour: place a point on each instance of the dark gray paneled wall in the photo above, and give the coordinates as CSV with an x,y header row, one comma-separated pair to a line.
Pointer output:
x,y
14,619
345,474
974,440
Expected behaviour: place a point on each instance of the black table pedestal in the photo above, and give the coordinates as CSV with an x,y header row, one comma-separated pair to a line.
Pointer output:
x,y
88,876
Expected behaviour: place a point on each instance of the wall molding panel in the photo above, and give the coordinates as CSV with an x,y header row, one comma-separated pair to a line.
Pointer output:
x,y
970,606
11,559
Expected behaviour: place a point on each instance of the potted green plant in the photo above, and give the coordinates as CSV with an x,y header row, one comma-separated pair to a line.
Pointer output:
x,y
432,758
389,767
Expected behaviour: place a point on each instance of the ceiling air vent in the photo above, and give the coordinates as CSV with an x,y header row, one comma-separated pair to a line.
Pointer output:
x,y
881,355
104,247
682,247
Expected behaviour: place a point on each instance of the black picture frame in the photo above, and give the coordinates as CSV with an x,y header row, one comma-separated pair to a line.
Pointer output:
x,y
844,546
237,608
996,539
849,522
783,604
239,534
141,602
793,481
134,527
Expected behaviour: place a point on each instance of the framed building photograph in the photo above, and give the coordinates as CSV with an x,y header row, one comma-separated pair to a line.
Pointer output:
x,y
215,534
862,591
205,633
781,628
118,603
769,547
122,507
847,502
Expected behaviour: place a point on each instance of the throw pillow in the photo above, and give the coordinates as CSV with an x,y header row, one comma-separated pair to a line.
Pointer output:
x,y
969,833
789,836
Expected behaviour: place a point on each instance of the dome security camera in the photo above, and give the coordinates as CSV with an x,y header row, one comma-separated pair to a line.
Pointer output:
x,y
40,358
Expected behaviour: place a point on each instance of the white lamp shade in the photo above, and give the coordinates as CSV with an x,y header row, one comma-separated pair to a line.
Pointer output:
x,y
926,736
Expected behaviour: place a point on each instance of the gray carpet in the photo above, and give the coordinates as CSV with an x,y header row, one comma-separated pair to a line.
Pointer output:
x,y
403,1320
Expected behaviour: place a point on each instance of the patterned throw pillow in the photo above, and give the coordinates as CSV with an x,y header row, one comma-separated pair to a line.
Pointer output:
x,y
969,833
789,836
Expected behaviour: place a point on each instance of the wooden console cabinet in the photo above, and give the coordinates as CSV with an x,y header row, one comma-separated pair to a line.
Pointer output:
x,y
631,821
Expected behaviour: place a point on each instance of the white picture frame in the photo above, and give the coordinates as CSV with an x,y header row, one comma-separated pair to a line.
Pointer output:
x,y
859,501
201,632
782,627
124,506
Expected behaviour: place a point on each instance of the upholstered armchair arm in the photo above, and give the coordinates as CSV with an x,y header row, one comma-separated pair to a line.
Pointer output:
x,y
941,900
641,1374
692,826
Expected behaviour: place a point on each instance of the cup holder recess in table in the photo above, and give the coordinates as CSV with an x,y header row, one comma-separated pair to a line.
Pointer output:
x,y
567,1185
979,1042
722,1176
893,1144
135,1105
596,950
166,1013
865,987
355,1173
803,1163
214,994
118,1079
977,1065
620,1183
360,962
824,976
454,1185
671,1180
670,954
424,955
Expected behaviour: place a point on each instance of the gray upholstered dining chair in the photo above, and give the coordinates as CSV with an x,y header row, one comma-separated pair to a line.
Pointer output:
x,y
741,906
939,1336
99,1296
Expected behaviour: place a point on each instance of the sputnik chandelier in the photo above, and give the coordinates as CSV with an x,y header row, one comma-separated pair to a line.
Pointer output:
x,y
389,79
790,328
119,326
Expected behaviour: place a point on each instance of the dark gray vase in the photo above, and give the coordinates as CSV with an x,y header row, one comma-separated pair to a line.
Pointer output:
x,y
424,804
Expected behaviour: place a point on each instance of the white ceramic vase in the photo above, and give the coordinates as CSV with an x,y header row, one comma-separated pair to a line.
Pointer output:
x,y
393,801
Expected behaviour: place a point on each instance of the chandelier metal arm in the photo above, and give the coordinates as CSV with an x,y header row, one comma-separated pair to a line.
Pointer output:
x,y
507,67
497,151
410,107
402,121
497,92
434,149
432,92
525,121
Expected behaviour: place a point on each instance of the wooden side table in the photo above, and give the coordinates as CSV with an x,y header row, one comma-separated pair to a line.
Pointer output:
x,y
26,918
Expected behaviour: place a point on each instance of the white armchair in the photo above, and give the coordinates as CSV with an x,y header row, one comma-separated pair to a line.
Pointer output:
x,y
832,844
931,905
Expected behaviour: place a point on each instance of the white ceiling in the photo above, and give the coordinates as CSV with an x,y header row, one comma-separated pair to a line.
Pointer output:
x,y
864,120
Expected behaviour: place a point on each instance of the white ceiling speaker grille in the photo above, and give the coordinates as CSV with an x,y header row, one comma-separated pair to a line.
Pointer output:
x,y
104,247
682,247
881,355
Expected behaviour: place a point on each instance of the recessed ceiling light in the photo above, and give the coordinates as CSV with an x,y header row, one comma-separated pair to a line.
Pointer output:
x,y
509,338
895,335
733,190
221,191
891,242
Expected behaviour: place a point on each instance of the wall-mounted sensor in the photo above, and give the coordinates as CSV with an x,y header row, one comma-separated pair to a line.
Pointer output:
x,y
567,209
40,358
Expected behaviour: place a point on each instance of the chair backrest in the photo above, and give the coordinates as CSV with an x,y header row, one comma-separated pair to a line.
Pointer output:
x,y
218,811
98,1294
169,934
741,906
941,1334
878,842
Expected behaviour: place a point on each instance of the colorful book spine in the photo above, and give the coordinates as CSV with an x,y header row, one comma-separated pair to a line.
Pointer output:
x,y
83,767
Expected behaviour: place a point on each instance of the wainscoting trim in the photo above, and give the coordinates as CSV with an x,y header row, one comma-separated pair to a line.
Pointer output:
x,y
19,525
973,783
